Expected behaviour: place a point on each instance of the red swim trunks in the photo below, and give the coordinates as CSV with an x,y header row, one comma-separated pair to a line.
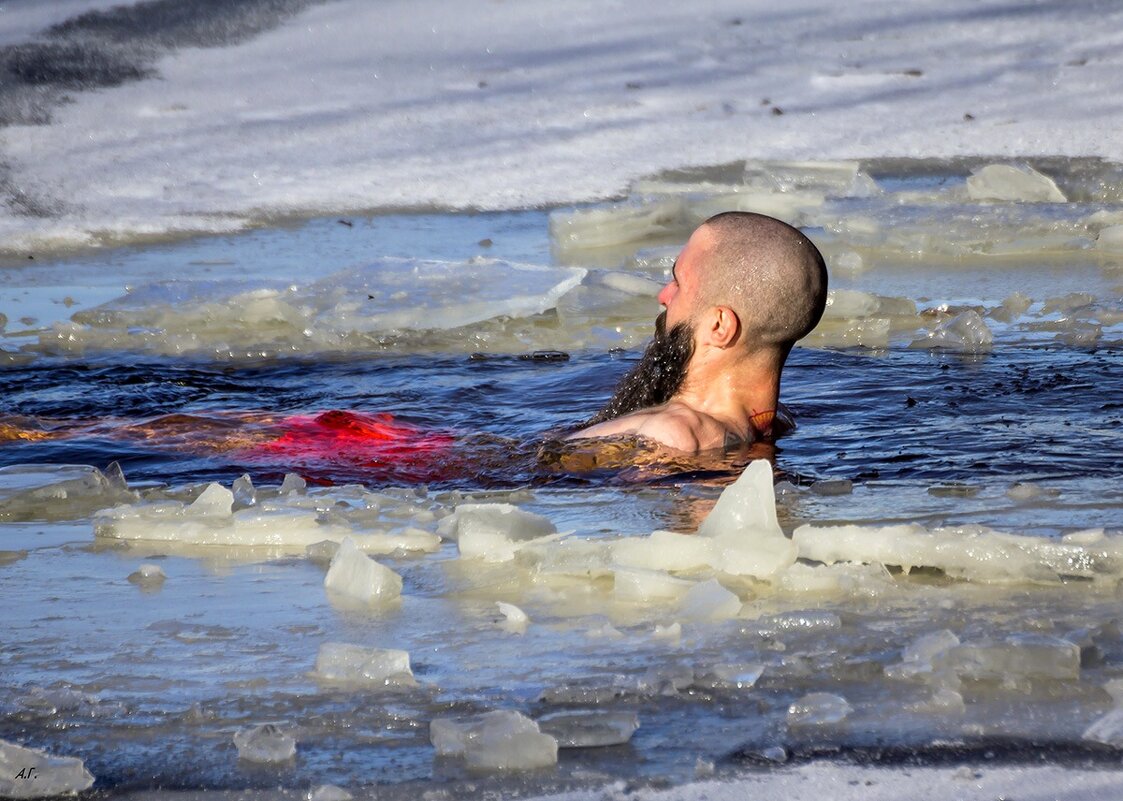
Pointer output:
x,y
369,446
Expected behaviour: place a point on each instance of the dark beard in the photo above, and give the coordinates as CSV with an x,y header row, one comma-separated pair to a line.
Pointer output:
x,y
657,377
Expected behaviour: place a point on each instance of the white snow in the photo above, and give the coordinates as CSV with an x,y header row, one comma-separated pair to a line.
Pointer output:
x,y
355,105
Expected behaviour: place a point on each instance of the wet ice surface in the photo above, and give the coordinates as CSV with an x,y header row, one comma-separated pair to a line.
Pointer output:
x,y
950,507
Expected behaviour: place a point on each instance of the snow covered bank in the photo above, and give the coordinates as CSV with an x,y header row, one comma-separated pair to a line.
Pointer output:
x,y
352,105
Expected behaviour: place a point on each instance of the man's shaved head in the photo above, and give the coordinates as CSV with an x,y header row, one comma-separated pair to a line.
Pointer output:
x,y
768,273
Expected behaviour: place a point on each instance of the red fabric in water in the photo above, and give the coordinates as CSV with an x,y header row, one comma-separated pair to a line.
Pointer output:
x,y
342,439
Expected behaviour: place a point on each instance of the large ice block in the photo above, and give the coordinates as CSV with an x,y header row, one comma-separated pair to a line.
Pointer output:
x,y
356,576
499,740
1013,182
59,492
30,773
744,527
356,664
265,743
590,728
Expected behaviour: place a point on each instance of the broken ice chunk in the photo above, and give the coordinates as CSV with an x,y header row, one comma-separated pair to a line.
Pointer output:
x,y
916,659
965,332
591,728
148,576
1019,657
328,792
322,552
647,586
356,576
833,486
214,501
731,676
743,524
818,709
354,664
499,740
672,633
62,492
245,494
501,518
1107,730
1110,239
265,743
616,224
30,773
835,178
293,483
1012,308
514,619
709,601
944,701
664,550
1013,183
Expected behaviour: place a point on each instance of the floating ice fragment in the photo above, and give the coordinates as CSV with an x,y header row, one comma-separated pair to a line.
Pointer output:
x,y
514,619
849,579
1016,183
732,676
499,740
148,576
1025,491
664,550
501,518
354,664
1110,239
214,501
1019,657
818,709
965,332
30,773
835,178
918,656
322,552
57,492
848,263
844,304
328,792
971,552
265,743
615,224
1012,308
672,632
647,586
943,701
245,494
833,486
494,532
605,631
591,728
709,601
1107,729
356,576
743,525
293,483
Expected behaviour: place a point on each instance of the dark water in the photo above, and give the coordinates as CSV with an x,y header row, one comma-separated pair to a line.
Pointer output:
x,y
1017,414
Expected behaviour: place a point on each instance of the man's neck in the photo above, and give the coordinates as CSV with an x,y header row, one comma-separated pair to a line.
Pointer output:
x,y
742,397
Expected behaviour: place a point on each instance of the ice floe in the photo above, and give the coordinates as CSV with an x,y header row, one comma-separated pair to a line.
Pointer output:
x,y
267,743
499,740
355,576
356,664
30,773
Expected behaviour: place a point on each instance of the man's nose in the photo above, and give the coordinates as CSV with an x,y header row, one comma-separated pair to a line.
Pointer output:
x,y
666,293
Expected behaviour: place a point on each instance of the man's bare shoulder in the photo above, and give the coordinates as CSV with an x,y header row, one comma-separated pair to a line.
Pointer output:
x,y
673,425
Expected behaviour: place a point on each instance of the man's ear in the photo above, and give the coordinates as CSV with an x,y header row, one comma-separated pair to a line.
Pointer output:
x,y
723,327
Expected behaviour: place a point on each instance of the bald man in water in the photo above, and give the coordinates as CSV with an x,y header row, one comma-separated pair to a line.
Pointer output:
x,y
743,290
